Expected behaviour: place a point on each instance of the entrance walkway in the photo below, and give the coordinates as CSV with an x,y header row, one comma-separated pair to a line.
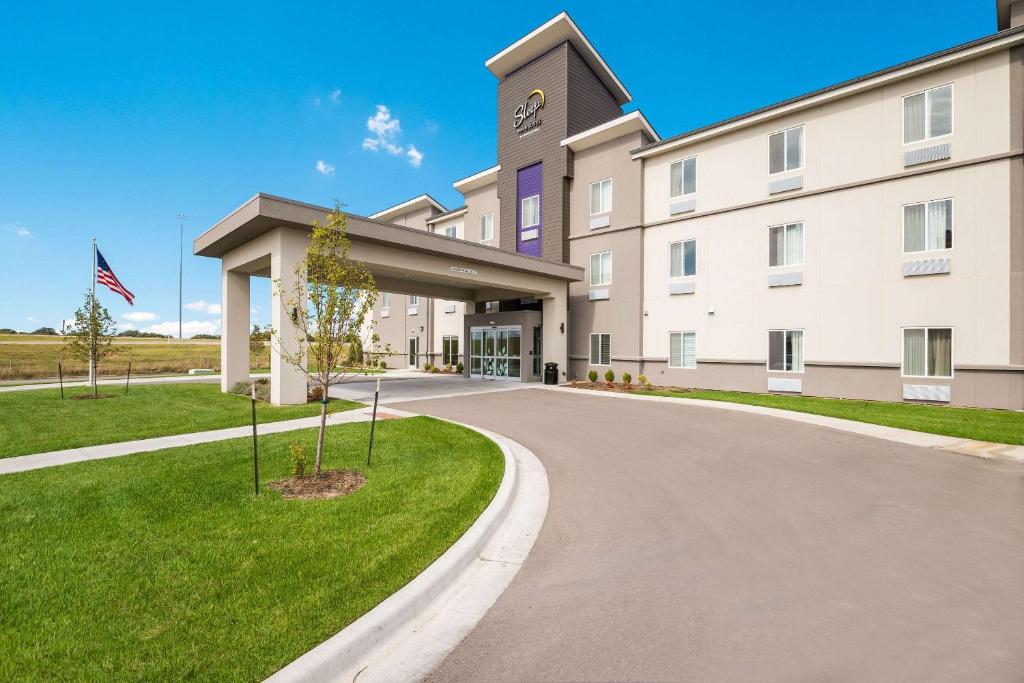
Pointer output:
x,y
421,386
693,543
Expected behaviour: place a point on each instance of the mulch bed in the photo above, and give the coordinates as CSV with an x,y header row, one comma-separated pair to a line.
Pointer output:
x,y
87,397
622,388
331,484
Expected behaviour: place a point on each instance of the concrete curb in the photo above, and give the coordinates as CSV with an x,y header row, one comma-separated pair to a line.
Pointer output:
x,y
407,635
981,449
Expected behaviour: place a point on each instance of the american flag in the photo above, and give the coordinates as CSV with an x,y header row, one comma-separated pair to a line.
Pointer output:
x,y
105,276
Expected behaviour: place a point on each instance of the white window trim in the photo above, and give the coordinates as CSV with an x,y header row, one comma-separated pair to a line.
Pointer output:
x,y
522,212
803,152
682,367
682,241
927,118
590,267
903,224
952,350
599,364
768,349
610,196
453,228
491,237
682,168
803,236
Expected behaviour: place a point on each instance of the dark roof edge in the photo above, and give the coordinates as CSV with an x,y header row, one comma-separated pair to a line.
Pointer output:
x,y
837,86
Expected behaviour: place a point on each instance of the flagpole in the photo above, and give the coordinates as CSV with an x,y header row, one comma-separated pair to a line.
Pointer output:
x,y
92,318
181,259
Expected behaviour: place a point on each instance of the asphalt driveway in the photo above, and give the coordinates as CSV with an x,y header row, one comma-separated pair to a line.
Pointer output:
x,y
688,543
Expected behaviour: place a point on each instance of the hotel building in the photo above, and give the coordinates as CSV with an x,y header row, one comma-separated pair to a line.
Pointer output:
x,y
864,241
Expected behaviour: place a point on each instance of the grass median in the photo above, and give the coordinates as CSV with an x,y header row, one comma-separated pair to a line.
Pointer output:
x,y
999,426
165,566
37,420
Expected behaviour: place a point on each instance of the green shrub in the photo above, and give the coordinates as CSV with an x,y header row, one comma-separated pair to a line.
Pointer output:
x,y
434,369
609,375
592,375
459,367
383,364
262,389
426,367
644,382
298,453
448,368
627,378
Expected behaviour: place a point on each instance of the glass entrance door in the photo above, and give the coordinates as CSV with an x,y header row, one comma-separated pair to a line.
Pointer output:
x,y
414,352
495,352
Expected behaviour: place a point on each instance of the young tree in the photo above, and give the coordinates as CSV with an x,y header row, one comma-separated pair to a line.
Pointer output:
x,y
331,299
90,338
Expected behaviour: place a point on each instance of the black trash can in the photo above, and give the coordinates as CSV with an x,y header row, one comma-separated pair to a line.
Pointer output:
x,y
551,373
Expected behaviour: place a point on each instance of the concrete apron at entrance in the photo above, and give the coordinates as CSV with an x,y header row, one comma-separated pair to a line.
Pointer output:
x,y
693,543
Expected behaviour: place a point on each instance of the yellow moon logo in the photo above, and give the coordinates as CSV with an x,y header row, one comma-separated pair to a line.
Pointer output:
x,y
537,92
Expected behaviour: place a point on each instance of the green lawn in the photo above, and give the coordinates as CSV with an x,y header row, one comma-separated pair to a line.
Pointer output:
x,y
37,420
164,566
1000,426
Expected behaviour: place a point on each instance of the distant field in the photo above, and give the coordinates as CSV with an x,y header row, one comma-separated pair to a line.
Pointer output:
x,y
34,357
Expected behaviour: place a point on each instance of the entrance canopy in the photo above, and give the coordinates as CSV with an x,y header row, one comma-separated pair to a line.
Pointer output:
x,y
268,236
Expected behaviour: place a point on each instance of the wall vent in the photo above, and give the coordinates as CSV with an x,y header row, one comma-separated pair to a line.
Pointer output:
x,y
931,266
598,294
680,288
785,184
684,206
785,279
790,386
600,222
926,392
926,154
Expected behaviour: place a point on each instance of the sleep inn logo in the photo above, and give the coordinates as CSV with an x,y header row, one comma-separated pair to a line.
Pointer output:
x,y
526,119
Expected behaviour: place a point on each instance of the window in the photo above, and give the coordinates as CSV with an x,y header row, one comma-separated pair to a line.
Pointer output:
x,y
600,348
928,226
682,349
786,245
682,177
414,300
449,350
682,258
928,114
601,268
601,196
786,150
531,211
385,300
487,227
451,231
786,350
928,352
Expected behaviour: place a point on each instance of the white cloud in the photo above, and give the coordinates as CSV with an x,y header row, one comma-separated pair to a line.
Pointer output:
x,y
212,309
18,229
336,95
324,168
385,129
189,328
140,316
31,319
415,156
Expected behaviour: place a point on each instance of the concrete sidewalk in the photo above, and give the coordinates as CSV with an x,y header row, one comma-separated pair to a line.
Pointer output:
x,y
114,450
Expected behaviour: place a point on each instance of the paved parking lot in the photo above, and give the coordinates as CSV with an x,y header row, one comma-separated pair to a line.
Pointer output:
x,y
688,543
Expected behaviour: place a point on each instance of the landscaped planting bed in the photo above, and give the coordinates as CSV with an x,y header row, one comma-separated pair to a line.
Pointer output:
x,y
165,566
37,420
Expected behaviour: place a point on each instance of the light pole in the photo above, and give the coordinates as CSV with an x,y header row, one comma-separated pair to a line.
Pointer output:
x,y
181,261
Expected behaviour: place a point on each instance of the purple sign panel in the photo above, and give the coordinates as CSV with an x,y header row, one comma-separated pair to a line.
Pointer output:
x,y
528,209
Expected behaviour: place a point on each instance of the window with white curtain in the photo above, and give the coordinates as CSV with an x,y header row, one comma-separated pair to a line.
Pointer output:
x,y
414,300
600,348
928,226
682,349
928,114
786,245
928,352
786,150
786,350
487,227
601,196
451,231
385,300
682,177
601,268
682,258
531,211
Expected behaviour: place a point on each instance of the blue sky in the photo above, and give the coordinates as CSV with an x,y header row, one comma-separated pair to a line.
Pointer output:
x,y
115,118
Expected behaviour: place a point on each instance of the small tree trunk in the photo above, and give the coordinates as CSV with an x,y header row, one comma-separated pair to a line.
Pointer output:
x,y
320,436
